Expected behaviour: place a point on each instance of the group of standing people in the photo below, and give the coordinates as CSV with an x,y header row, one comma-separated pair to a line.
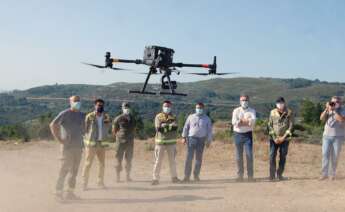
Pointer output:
x,y
93,132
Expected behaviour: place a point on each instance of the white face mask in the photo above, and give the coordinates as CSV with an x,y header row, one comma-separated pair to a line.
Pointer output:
x,y
280,106
199,111
126,111
75,105
244,104
166,109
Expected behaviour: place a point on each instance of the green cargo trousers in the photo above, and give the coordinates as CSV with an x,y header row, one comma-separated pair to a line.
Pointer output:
x,y
124,150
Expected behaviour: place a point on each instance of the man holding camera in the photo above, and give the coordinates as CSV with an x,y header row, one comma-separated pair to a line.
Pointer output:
x,y
333,136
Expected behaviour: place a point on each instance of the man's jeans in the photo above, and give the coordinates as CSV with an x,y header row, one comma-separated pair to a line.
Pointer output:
x,y
194,146
331,148
283,151
244,140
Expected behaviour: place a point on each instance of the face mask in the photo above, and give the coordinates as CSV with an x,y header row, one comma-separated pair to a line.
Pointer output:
x,y
244,104
100,109
166,109
199,111
280,106
125,111
75,105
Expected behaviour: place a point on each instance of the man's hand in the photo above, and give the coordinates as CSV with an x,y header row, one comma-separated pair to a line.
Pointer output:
x,y
184,141
280,140
208,144
244,122
164,124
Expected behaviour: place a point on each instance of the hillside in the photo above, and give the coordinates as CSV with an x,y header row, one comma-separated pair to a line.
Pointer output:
x,y
221,95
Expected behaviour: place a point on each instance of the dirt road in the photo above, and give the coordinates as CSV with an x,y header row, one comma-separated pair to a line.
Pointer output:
x,y
28,173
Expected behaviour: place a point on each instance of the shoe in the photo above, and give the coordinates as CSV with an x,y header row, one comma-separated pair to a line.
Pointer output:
x,y
196,178
175,180
101,185
271,178
332,178
282,178
251,179
323,177
59,196
239,179
129,179
71,196
155,182
118,177
186,180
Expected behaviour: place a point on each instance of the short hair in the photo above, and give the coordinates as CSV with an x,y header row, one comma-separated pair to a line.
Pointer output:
x,y
200,104
167,102
244,95
74,97
99,101
337,98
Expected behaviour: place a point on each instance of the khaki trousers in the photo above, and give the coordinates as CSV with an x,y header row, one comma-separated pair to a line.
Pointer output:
x,y
90,153
159,155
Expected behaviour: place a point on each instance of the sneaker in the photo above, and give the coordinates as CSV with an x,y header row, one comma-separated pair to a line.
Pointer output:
x,y
155,182
332,178
271,178
71,196
175,180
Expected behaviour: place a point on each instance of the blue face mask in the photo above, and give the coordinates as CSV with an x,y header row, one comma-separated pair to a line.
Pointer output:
x,y
76,105
199,111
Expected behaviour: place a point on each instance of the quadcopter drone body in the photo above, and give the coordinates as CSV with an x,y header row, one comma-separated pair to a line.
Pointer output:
x,y
160,61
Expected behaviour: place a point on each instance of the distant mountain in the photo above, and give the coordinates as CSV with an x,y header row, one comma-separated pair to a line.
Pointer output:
x,y
221,95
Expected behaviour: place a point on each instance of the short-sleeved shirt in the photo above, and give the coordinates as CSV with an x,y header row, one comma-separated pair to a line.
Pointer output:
x,y
72,124
333,127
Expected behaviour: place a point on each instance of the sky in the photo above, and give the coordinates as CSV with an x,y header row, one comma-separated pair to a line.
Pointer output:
x,y
44,42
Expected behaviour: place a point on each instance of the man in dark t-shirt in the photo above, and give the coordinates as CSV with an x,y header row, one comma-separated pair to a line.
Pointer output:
x,y
68,129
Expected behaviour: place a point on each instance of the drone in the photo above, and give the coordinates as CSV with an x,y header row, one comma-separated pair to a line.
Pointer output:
x,y
160,61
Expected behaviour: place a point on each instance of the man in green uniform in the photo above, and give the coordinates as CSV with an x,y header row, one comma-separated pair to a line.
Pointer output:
x,y
123,131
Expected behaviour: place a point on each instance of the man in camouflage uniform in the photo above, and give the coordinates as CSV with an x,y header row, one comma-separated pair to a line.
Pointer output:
x,y
165,140
97,128
123,131
280,129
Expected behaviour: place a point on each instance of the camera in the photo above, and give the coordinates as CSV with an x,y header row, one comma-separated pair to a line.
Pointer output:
x,y
332,104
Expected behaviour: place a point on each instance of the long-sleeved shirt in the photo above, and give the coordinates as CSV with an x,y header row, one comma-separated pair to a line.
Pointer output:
x,y
240,113
280,124
198,126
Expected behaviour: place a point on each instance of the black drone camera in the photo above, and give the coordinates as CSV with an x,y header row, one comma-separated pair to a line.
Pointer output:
x,y
158,57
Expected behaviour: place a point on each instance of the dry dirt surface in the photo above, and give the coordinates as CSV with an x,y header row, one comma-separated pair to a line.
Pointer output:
x,y
28,173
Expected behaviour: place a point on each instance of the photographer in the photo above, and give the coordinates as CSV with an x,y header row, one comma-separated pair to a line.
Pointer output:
x,y
333,136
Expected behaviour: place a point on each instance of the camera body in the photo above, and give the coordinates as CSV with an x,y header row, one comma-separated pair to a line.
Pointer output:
x,y
158,56
332,104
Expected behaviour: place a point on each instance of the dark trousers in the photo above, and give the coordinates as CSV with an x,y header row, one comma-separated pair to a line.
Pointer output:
x,y
283,151
195,146
244,141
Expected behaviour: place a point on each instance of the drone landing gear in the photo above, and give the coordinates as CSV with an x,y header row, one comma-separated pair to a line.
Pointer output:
x,y
166,85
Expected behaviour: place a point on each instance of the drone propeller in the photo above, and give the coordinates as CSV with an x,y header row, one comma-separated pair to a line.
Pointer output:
x,y
99,66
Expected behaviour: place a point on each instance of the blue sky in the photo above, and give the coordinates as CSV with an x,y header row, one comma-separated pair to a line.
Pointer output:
x,y
43,42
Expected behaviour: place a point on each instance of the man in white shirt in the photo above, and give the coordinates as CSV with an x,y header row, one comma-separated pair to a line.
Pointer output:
x,y
243,121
